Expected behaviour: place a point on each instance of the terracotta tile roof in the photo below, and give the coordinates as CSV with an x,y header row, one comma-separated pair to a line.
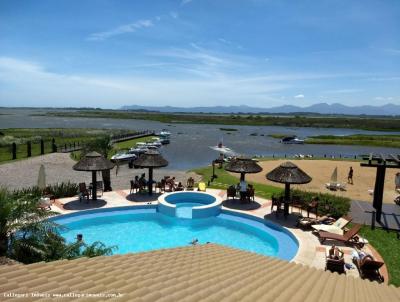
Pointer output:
x,y
195,273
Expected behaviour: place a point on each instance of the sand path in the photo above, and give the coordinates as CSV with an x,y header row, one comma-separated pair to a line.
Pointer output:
x,y
321,171
58,167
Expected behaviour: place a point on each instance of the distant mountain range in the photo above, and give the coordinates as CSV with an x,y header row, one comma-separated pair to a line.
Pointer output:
x,y
321,108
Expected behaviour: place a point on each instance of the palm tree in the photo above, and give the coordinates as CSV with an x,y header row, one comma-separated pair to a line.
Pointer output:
x,y
27,236
21,213
103,145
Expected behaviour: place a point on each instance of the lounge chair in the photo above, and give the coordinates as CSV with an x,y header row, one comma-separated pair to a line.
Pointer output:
x,y
369,268
201,187
336,227
350,237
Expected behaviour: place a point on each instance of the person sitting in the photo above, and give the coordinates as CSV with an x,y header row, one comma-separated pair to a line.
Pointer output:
x,y
194,241
335,253
313,205
190,183
179,187
335,260
250,193
170,182
367,266
243,190
142,182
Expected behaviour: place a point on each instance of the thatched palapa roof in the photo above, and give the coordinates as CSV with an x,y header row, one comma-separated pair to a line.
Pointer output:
x,y
150,159
93,161
288,172
243,165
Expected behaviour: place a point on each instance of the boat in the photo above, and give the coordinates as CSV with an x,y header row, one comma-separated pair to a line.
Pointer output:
x,y
223,149
164,141
292,140
124,156
141,145
164,132
138,151
157,143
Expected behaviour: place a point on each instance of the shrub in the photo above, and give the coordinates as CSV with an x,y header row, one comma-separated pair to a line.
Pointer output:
x,y
331,204
59,190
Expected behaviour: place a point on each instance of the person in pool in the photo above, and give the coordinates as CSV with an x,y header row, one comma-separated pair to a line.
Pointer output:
x,y
195,241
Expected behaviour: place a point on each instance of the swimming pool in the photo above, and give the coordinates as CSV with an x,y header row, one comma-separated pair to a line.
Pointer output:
x,y
144,229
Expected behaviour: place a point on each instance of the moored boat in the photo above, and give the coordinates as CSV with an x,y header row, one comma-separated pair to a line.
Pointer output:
x,y
292,140
124,156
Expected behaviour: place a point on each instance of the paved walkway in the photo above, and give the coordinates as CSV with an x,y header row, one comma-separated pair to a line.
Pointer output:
x,y
361,212
311,252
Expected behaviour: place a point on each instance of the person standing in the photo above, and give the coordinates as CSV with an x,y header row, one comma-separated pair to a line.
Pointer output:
x,y
350,176
243,190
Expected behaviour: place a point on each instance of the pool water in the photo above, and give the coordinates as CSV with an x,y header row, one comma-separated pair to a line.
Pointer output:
x,y
184,209
145,230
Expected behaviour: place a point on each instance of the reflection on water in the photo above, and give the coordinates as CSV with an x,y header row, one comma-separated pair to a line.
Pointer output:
x,y
189,146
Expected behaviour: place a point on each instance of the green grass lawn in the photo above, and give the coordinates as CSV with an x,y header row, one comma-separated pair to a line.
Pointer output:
x,y
388,245
62,136
224,180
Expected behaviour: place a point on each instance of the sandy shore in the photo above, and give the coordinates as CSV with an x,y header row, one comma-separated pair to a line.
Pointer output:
x,y
58,167
321,171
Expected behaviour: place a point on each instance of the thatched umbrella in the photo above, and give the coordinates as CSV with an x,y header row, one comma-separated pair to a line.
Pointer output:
x,y
93,162
243,166
288,173
150,159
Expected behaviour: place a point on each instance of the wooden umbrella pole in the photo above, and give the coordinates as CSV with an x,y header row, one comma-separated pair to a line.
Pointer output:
x,y
150,181
287,198
242,176
94,185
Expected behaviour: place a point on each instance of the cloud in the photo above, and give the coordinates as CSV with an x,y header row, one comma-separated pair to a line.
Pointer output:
x,y
29,82
123,29
382,98
343,91
174,15
184,2
299,96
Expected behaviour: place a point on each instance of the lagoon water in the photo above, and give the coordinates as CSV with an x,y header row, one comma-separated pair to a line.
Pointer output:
x,y
190,143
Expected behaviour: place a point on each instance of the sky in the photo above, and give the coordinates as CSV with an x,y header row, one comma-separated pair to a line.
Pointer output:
x,y
260,53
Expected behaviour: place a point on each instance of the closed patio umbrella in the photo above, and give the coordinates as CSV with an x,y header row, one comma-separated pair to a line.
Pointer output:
x,y
93,162
243,166
288,173
150,159
41,183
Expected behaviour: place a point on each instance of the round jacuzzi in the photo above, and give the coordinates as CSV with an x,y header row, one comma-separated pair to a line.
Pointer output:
x,y
189,204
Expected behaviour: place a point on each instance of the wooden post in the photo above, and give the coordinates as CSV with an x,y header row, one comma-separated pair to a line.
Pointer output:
x,y
14,151
53,145
150,184
378,191
94,185
287,199
41,147
28,149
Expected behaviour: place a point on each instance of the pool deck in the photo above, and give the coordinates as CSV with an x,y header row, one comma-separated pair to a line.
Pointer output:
x,y
311,252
